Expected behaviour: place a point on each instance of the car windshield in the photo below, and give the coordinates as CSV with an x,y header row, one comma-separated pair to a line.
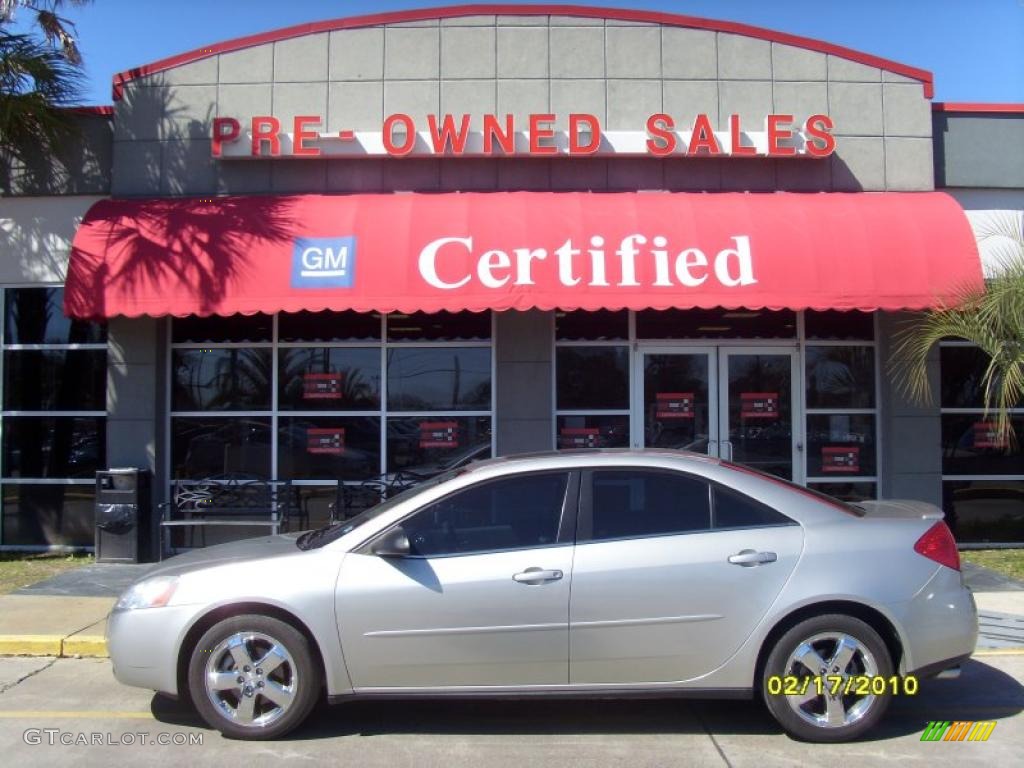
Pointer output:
x,y
321,536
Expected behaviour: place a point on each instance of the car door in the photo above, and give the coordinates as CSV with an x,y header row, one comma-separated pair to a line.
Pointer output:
x,y
655,595
483,599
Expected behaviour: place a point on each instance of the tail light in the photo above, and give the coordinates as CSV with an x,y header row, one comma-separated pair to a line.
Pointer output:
x,y
938,544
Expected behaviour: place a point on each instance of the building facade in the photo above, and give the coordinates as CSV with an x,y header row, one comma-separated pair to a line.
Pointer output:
x,y
187,359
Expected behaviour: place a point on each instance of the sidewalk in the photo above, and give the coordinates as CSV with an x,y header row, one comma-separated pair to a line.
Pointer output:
x,y
67,615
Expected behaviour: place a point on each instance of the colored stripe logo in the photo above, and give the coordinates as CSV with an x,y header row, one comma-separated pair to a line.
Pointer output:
x,y
958,730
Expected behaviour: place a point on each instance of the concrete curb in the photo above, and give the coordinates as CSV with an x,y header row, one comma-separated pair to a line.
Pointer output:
x,y
92,646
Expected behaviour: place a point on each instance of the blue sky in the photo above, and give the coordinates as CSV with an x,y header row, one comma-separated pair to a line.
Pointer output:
x,y
975,48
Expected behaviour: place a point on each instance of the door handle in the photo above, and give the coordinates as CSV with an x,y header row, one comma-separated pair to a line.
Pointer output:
x,y
536,576
748,558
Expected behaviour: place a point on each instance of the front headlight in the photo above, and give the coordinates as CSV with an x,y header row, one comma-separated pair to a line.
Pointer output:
x,y
149,593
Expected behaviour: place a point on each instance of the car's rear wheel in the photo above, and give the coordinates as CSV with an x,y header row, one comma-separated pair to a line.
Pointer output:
x,y
815,676
253,677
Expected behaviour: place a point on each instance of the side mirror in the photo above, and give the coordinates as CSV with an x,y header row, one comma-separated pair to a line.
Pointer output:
x,y
394,544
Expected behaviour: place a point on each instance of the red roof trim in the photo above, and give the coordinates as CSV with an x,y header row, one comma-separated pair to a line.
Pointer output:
x,y
455,11
972,106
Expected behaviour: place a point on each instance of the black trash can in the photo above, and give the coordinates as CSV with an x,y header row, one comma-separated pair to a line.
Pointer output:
x,y
124,516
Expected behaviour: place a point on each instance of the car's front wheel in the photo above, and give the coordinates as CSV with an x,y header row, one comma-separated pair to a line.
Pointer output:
x,y
821,678
253,677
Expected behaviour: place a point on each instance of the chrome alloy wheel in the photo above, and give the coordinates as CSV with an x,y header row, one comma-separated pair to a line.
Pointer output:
x,y
251,679
830,655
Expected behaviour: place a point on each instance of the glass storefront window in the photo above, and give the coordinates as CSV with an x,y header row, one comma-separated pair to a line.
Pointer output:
x,y
55,380
841,445
715,324
328,326
963,372
439,378
53,446
980,511
322,447
840,377
594,431
51,514
835,325
203,447
988,507
600,325
215,329
309,404
847,491
36,316
225,379
53,421
590,378
434,444
971,447
328,378
439,326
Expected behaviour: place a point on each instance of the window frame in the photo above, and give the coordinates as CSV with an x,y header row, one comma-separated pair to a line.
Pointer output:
x,y
801,412
954,477
102,346
567,522
275,413
585,524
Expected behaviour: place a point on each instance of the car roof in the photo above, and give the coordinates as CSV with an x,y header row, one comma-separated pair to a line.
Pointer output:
x,y
599,456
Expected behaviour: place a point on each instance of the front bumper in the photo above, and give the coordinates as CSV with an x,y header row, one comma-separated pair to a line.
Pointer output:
x,y
143,646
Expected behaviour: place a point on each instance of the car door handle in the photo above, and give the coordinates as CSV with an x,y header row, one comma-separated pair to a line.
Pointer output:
x,y
748,558
536,576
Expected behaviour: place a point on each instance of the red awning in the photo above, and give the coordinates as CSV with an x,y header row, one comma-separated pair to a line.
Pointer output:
x,y
520,250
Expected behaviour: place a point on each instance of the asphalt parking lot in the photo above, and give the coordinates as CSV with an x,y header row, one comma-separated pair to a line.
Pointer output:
x,y
72,699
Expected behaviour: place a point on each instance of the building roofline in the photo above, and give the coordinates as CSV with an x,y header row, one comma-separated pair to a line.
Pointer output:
x,y
456,11
961,107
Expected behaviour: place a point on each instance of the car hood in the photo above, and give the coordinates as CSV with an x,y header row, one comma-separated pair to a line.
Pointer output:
x,y
219,554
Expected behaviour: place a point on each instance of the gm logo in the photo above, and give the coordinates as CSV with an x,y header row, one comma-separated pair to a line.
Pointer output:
x,y
323,262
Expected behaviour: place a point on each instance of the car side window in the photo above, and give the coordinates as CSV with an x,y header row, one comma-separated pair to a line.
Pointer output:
x,y
520,512
627,504
737,510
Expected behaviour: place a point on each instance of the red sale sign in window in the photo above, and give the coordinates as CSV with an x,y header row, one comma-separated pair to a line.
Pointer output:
x,y
439,434
759,405
577,437
322,386
987,436
840,458
674,405
330,440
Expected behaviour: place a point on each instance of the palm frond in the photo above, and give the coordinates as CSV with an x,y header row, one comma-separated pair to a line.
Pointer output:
x,y
37,84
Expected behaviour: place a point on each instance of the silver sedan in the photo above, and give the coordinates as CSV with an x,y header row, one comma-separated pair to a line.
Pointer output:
x,y
608,573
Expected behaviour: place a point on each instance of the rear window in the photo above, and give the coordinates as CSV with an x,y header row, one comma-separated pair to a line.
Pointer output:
x,y
842,506
735,510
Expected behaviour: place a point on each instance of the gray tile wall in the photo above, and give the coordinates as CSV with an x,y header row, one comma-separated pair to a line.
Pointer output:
x,y
81,166
521,64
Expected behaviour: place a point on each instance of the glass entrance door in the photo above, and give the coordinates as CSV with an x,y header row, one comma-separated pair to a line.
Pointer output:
x,y
735,403
678,400
756,414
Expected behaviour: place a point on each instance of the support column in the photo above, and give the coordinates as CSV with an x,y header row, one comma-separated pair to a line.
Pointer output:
x,y
523,348
911,433
136,418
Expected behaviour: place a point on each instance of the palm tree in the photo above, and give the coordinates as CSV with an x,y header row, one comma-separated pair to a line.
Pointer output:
x,y
40,76
992,318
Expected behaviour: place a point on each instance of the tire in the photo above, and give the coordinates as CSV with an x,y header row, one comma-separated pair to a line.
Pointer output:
x,y
267,703
808,717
